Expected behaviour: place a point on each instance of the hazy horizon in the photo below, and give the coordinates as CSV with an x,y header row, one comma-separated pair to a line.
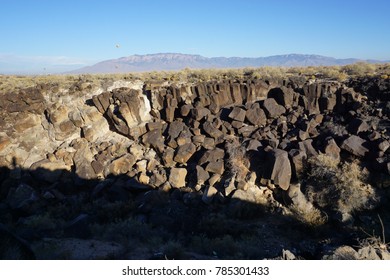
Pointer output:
x,y
51,37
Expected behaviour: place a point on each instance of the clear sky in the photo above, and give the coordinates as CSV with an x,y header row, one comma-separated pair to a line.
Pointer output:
x,y
58,35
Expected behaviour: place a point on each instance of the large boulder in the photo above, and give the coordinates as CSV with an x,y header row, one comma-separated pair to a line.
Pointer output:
x,y
184,152
272,108
26,100
355,145
211,129
201,175
256,116
212,155
332,149
278,168
154,139
237,114
358,125
82,161
63,128
124,108
217,167
49,171
122,165
283,95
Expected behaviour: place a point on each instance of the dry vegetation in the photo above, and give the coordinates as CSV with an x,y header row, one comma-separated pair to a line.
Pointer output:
x,y
54,82
310,216
341,187
238,161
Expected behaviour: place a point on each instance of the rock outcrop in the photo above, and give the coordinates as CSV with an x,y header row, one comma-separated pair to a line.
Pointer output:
x,y
94,134
118,142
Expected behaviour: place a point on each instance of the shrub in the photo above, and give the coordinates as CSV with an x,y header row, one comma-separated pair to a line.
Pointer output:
x,y
338,186
360,69
238,161
311,217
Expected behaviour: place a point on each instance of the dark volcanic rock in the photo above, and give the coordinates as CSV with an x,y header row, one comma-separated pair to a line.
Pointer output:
x,y
216,167
177,177
272,108
213,131
154,139
212,155
283,95
237,114
332,149
355,145
184,152
278,168
256,116
152,157
298,158
201,175
358,125
26,100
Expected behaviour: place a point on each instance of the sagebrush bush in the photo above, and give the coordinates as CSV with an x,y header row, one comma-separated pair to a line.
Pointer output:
x,y
341,187
308,216
238,161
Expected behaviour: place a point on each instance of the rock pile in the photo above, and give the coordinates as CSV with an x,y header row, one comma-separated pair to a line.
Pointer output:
x,y
174,136
147,136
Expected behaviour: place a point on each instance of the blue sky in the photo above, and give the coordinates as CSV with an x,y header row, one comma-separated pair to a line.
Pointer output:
x,y
43,35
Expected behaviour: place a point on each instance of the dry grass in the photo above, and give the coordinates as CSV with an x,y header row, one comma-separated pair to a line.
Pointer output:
x,y
340,73
238,161
311,217
339,186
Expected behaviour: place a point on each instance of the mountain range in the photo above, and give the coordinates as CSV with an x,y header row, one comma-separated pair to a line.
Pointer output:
x,y
177,61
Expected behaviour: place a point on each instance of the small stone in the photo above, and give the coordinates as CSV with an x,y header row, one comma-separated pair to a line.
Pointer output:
x,y
177,177
209,194
167,157
214,179
141,165
201,175
185,110
143,179
383,145
208,143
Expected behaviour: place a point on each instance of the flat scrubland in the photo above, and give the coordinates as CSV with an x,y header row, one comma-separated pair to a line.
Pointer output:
x,y
337,73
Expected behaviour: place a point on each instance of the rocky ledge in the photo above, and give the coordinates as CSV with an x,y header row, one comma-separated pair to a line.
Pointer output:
x,y
184,157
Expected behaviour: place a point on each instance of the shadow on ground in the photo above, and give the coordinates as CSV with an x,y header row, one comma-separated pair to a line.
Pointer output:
x,y
119,218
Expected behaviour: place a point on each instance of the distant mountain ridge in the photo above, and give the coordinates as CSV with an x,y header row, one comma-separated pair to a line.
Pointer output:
x,y
177,61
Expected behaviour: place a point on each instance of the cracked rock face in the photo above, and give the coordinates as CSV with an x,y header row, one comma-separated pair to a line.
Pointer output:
x,y
179,126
